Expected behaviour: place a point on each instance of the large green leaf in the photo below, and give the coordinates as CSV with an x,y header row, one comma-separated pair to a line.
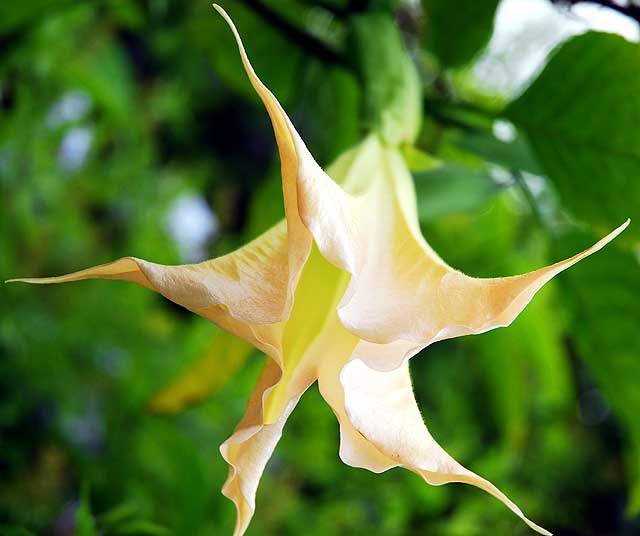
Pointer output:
x,y
265,43
457,31
511,155
452,188
14,15
392,95
85,523
581,116
603,296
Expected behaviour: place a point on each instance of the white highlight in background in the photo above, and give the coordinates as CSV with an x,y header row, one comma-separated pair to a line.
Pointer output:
x,y
192,224
527,30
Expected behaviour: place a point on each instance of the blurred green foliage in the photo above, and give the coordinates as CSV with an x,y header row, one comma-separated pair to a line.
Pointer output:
x,y
456,34
585,131
112,111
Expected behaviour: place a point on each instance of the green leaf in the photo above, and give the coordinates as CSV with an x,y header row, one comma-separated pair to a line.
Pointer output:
x,y
603,295
418,160
119,513
85,524
525,370
391,84
143,527
457,31
106,74
14,15
224,356
329,110
452,188
515,154
581,116
15,531
265,44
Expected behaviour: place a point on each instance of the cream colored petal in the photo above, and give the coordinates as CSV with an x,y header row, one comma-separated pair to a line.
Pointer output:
x,y
312,332
252,286
309,333
125,269
382,408
290,158
355,449
477,305
400,288
308,191
380,423
295,346
248,450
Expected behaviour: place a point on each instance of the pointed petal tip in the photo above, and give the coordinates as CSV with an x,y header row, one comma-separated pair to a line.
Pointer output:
x,y
535,527
608,238
597,246
220,10
622,227
37,280
224,14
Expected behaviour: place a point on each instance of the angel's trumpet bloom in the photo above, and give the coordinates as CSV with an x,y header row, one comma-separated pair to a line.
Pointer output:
x,y
344,291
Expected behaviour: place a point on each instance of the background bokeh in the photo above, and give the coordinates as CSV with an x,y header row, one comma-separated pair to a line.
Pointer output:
x,y
127,127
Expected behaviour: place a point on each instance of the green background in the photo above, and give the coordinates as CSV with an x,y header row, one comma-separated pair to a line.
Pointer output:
x,y
547,409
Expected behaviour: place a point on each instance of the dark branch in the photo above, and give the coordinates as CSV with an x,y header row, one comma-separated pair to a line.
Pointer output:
x,y
445,119
530,199
631,10
352,8
308,42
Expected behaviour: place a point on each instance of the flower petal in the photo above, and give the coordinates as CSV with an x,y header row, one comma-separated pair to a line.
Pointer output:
x,y
380,423
355,449
477,305
382,408
292,154
248,450
312,332
251,286
400,288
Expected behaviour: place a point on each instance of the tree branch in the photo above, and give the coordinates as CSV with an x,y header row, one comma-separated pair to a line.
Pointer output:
x,y
631,10
312,45
520,181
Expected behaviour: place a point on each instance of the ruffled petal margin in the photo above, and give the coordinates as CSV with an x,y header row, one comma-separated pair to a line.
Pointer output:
x,y
248,450
382,408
